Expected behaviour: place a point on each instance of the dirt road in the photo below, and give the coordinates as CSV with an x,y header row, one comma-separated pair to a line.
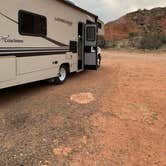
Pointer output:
x,y
113,117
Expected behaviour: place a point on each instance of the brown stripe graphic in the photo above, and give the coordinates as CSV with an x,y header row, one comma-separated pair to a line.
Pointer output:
x,y
9,18
55,42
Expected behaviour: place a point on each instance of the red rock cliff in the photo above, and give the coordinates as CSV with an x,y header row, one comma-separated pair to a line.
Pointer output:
x,y
140,22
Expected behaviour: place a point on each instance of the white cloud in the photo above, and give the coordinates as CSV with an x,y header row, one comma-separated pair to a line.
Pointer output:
x,y
109,10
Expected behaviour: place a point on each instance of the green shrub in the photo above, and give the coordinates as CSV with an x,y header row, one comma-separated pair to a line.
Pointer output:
x,y
152,41
163,38
133,34
114,45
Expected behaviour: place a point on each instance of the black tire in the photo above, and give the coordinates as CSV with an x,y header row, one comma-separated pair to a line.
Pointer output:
x,y
63,73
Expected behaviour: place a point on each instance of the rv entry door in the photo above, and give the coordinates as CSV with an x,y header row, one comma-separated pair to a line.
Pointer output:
x,y
90,57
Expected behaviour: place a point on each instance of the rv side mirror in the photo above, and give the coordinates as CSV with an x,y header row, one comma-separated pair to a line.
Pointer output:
x,y
73,46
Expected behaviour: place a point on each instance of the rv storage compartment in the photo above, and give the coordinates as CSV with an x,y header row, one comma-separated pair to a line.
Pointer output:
x,y
7,68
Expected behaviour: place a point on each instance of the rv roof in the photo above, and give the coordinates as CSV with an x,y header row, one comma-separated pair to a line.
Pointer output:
x,y
77,7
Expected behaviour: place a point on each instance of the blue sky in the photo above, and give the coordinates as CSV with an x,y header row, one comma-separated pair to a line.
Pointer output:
x,y
109,10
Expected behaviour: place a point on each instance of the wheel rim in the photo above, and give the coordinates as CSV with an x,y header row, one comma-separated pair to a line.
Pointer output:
x,y
62,74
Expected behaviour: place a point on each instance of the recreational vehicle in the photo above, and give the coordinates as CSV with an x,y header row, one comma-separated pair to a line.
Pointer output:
x,y
45,40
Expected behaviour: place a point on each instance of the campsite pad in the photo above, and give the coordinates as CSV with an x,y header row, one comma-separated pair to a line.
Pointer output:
x,y
82,98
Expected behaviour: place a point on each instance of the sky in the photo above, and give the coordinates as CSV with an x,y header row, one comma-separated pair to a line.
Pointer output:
x,y
109,10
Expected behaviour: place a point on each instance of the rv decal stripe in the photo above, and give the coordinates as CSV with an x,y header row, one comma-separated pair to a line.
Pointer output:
x,y
55,42
41,48
33,50
27,54
8,18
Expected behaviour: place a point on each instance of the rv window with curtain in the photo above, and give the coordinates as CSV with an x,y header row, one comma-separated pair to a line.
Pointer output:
x,y
32,24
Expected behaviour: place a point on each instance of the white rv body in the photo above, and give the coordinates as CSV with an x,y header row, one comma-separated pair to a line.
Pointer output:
x,y
28,58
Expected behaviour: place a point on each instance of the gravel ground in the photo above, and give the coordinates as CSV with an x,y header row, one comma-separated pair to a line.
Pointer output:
x,y
113,117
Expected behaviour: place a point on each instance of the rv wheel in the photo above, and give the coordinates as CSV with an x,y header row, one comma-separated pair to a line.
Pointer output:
x,y
62,75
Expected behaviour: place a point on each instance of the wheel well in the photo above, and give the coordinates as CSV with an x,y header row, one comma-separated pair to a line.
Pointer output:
x,y
67,66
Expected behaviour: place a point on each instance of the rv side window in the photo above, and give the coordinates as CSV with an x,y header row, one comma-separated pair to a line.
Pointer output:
x,y
31,24
91,33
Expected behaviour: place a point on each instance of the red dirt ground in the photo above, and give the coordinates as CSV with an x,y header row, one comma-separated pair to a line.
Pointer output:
x,y
124,124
